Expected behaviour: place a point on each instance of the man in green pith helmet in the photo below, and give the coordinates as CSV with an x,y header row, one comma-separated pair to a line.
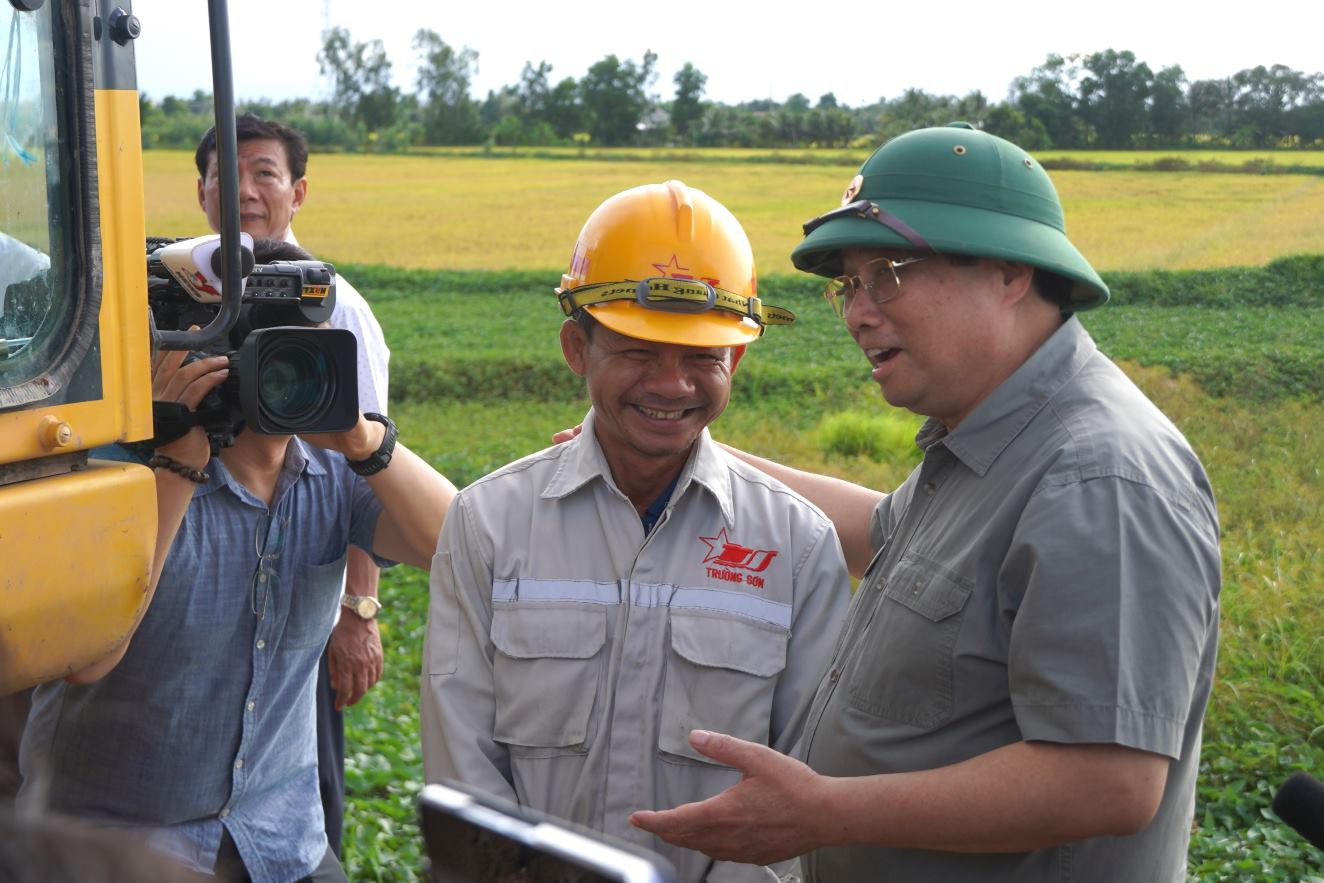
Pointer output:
x,y
1022,681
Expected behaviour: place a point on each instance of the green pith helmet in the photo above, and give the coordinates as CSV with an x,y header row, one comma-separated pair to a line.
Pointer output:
x,y
952,190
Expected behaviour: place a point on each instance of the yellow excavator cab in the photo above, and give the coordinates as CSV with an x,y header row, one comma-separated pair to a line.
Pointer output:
x,y
76,533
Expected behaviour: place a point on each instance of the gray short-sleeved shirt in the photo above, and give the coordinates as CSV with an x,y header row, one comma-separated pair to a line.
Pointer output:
x,y
1049,573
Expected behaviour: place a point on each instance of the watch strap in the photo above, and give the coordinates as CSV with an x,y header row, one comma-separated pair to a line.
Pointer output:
x,y
381,458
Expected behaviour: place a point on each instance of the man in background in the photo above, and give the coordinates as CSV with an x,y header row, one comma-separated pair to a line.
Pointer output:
x,y
273,159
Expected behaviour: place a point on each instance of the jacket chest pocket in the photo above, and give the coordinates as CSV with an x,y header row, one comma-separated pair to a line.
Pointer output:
x,y
547,671
904,672
721,676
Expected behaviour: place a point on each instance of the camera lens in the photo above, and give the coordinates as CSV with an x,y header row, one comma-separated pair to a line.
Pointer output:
x,y
295,383
294,380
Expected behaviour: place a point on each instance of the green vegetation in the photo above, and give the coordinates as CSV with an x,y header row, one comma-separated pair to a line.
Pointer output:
x,y
1234,356
1105,100
886,434
1251,332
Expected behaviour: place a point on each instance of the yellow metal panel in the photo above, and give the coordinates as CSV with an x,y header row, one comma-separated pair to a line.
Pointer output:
x,y
125,343
77,558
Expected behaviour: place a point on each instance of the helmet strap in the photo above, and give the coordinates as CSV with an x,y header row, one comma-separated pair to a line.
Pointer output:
x,y
673,296
872,211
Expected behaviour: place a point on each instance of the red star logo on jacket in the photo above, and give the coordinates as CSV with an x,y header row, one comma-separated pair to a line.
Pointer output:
x,y
725,553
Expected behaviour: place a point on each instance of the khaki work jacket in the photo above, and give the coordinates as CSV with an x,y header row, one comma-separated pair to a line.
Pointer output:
x,y
568,655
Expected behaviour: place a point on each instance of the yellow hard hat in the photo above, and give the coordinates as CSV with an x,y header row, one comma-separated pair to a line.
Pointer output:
x,y
668,263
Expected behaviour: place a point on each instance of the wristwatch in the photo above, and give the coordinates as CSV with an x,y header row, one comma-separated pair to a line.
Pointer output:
x,y
365,606
380,458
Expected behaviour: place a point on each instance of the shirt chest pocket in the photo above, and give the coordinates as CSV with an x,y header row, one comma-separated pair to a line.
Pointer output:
x,y
721,676
547,672
905,670
314,598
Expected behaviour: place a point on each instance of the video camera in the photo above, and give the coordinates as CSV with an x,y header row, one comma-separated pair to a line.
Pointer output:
x,y
286,376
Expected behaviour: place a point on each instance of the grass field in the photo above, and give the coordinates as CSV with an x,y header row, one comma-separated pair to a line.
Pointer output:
x,y
478,213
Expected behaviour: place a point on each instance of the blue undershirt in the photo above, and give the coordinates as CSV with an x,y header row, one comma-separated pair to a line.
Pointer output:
x,y
658,506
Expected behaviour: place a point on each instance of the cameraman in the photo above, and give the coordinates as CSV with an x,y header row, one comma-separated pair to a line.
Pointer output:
x,y
272,186
197,733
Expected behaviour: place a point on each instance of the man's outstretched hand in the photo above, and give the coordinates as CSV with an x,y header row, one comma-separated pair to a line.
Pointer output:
x,y
766,818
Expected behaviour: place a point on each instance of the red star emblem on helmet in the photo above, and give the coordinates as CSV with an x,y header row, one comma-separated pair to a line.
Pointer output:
x,y
673,270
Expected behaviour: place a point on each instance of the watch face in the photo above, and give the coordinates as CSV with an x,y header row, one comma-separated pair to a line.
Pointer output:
x,y
366,608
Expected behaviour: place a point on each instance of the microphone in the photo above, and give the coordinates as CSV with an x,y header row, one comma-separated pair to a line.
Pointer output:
x,y
1300,803
195,264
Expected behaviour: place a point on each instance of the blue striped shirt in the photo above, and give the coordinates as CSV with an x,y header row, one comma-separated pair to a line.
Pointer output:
x,y
207,722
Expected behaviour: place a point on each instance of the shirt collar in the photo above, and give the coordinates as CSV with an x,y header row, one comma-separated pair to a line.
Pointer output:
x,y
991,426
298,461
583,461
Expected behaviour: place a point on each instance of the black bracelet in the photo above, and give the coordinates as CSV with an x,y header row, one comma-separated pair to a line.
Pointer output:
x,y
161,461
380,458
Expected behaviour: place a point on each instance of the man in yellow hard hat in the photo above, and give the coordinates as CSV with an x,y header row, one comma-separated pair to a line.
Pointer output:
x,y
594,602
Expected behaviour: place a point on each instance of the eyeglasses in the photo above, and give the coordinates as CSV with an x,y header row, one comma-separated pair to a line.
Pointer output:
x,y
268,548
879,279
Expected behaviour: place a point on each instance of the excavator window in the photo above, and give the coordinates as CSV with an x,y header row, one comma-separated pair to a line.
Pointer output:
x,y
41,288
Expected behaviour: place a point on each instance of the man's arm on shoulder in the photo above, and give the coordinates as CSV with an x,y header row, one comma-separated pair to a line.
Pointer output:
x,y
458,703
850,506
1021,797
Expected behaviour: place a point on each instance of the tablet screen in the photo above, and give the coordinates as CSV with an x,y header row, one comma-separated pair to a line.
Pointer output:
x,y
475,838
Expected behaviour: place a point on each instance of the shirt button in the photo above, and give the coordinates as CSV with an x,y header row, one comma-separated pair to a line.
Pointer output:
x,y
261,643
836,673
252,705
930,487
261,577
225,812
239,764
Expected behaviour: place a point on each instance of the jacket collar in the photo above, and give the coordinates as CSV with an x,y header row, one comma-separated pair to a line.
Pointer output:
x,y
583,461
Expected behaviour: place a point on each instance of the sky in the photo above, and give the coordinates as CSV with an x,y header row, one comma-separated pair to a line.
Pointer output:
x,y
965,45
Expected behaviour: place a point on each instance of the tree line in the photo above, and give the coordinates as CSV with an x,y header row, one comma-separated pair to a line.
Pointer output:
x,y
1103,100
